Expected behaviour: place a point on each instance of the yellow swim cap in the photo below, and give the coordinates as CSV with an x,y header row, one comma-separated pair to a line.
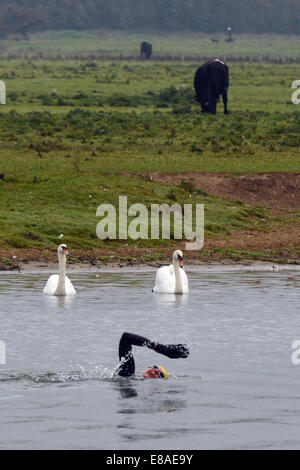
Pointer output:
x,y
163,370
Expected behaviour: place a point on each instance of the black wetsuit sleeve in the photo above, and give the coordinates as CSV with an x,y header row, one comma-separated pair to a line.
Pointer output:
x,y
172,351
126,367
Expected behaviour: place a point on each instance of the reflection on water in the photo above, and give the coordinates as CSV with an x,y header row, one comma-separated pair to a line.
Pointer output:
x,y
237,389
143,407
149,417
59,301
160,398
156,404
178,300
126,388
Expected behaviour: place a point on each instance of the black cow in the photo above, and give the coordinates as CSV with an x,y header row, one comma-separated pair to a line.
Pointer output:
x,y
146,50
212,80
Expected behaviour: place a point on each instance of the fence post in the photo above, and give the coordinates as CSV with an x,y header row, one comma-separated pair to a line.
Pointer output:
x,y
2,92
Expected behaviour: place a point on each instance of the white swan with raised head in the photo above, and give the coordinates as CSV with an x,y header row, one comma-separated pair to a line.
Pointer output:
x,y
60,284
172,279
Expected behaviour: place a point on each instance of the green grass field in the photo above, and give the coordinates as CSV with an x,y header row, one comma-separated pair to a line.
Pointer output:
x,y
116,43
71,129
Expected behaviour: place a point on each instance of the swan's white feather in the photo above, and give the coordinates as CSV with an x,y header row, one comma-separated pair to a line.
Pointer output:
x,y
70,290
165,280
51,286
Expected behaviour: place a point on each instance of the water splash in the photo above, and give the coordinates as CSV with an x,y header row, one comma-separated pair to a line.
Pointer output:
x,y
61,377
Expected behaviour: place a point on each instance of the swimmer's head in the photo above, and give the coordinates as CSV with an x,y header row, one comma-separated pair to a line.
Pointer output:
x,y
155,372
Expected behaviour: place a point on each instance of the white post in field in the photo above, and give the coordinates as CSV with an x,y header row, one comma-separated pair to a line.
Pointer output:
x,y
2,92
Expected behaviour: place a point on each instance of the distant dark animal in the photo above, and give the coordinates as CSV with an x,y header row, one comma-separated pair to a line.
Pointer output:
x,y
214,40
146,50
212,80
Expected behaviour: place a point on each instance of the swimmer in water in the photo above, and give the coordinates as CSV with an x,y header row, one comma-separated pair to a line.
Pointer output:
x,y
126,367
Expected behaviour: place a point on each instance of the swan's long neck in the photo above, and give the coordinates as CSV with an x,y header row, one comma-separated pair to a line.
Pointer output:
x,y
61,285
178,281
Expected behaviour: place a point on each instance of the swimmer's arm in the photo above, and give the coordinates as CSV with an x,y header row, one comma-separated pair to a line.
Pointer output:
x,y
127,364
130,339
172,351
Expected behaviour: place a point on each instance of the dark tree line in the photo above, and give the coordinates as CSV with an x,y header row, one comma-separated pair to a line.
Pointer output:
x,y
17,18
211,16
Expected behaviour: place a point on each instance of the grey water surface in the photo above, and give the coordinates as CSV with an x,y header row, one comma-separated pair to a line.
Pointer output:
x,y
238,389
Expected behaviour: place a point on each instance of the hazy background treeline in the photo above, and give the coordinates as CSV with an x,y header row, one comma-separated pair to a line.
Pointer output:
x,y
210,16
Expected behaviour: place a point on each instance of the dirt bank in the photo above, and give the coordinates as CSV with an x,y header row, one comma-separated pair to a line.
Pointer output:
x,y
276,191
281,245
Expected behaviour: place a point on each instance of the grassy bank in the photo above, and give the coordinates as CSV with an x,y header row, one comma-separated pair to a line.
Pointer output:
x,y
72,131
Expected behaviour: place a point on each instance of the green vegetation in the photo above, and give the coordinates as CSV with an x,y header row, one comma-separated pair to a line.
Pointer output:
x,y
131,117
65,202
72,131
104,44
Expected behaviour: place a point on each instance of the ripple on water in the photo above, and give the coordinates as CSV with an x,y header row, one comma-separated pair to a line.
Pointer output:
x,y
237,386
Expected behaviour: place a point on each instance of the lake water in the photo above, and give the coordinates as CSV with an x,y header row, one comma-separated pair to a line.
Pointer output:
x,y
238,389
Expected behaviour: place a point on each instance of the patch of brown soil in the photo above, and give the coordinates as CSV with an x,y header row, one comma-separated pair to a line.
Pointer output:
x,y
278,239
283,241
277,191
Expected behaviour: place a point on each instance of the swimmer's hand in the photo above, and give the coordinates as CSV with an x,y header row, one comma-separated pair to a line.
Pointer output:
x,y
172,351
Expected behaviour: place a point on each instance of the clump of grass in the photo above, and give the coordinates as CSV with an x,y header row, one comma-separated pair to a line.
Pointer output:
x,y
187,186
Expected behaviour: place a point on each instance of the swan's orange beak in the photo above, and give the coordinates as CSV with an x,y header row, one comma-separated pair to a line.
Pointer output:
x,y
66,251
180,262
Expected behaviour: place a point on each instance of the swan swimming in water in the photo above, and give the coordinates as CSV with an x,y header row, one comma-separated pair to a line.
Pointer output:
x,y
60,284
172,279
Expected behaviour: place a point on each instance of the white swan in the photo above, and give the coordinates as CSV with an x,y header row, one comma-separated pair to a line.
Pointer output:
x,y
172,279
60,284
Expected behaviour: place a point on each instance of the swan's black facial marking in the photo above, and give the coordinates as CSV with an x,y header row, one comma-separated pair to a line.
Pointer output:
x,y
63,249
180,260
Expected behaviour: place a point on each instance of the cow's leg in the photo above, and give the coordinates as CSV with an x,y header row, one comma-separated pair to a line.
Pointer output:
x,y
225,99
205,107
213,107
